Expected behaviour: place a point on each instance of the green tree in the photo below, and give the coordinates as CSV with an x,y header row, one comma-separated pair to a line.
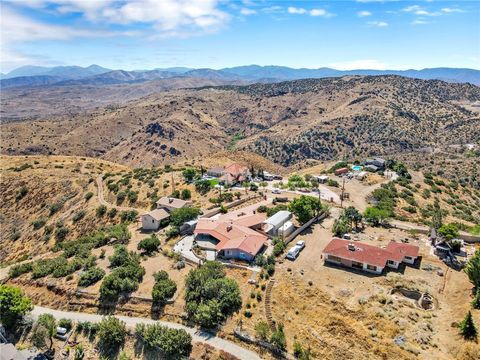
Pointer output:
x,y
472,269
173,343
179,216
437,216
189,174
449,231
305,207
149,244
210,297
13,305
467,327
111,332
353,216
341,226
203,186
49,323
375,216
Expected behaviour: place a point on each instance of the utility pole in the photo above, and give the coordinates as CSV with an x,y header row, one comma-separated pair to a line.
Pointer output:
x,y
173,185
343,190
319,202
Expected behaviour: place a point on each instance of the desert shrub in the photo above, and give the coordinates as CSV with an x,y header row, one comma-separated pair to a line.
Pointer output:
x,y
101,210
21,193
149,244
20,269
79,215
278,338
55,207
128,216
91,276
88,195
61,233
112,213
111,332
121,197
186,194
39,223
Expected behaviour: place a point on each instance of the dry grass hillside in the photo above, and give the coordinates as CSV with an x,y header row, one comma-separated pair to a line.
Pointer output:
x,y
43,194
287,122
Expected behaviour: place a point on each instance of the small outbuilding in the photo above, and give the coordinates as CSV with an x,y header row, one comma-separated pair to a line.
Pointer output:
x,y
322,179
341,171
275,222
170,203
154,219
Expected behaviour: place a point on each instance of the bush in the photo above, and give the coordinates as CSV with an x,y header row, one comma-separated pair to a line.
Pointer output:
x,y
128,216
65,323
262,330
91,276
88,195
21,193
163,289
39,223
111,332
333,183
173,343
121,197
149,244
112,213
186,194
305,207
17,270
101,210
132,197
79,215
467,327
278,339
61,233
55,207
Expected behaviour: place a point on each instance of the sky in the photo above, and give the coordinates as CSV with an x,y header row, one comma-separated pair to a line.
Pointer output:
x,y
148,34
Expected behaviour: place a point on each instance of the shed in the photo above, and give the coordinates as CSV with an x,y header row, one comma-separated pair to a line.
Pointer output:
x,y
322,179
276,221
154,219
341,171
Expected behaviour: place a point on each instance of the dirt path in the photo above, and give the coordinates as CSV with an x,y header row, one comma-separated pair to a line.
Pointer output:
x,y
197,335
102,201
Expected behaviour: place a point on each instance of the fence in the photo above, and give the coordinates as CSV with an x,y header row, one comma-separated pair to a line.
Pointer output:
x,y
217,210
305,226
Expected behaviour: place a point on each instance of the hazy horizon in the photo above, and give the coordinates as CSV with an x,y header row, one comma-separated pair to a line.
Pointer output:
x,y
344,35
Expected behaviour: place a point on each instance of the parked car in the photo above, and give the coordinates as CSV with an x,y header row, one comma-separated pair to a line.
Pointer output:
x,y
301,244
347,237
276,191
293,253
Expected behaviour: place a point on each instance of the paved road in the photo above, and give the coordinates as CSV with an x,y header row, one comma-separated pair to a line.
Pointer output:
x,y
197,336
102,201
325,193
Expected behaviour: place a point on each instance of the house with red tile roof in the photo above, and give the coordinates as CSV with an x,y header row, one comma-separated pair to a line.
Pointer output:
x,y
233,238
367,257
231,174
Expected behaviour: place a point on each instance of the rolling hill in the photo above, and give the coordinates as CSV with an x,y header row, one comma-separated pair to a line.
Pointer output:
x,y
288,122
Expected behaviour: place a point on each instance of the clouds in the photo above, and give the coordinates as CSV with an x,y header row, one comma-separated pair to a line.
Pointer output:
x,y
379,24
364,13
313,12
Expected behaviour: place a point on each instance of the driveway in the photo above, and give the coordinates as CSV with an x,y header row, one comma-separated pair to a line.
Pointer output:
x,y
184,247
325,193
197,336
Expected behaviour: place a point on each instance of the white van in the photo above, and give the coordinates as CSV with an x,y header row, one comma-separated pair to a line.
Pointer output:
x,y
293,252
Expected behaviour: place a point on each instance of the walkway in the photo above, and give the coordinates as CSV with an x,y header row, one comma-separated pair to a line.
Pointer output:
x,y
197,335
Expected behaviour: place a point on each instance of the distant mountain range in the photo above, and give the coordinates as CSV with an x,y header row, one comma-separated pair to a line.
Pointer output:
x,y
26,76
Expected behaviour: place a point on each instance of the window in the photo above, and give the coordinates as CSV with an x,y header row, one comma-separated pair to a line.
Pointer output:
x,y
357,265
391,262
371,267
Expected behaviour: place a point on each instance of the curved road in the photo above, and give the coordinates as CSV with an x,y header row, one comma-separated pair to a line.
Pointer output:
x,y
197,336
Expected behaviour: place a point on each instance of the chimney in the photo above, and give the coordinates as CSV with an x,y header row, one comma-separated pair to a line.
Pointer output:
x,y
351,247
229,227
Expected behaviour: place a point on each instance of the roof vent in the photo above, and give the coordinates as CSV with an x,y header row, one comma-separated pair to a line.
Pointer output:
x,y
229,227
351,247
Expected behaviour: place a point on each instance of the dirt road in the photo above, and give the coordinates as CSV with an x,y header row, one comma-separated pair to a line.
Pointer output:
x,y
197,336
